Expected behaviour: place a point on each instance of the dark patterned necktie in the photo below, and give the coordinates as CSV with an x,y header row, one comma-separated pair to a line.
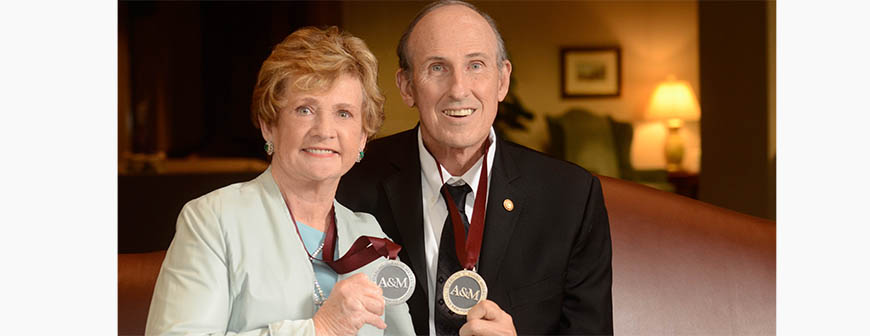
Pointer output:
x,y
446,321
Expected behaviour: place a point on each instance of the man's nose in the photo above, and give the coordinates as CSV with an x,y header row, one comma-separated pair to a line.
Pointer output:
x,y
459,85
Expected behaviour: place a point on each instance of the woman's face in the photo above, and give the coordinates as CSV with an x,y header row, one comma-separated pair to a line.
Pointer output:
x,y
318,135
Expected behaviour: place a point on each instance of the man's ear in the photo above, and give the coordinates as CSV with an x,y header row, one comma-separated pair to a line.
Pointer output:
x,y
504,80
403,81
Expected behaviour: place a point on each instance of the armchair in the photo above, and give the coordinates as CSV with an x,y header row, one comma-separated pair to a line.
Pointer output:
x,y
602,145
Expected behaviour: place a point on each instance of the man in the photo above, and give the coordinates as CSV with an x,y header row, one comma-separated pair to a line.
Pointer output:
x,y
545,254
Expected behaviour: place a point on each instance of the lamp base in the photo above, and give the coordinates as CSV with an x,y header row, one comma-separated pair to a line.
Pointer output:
x,y
674,148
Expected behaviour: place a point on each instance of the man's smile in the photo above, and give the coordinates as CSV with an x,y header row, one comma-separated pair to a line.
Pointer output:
x,y
463,112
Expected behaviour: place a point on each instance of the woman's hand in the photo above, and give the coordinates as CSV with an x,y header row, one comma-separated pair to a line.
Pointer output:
x,y
354,302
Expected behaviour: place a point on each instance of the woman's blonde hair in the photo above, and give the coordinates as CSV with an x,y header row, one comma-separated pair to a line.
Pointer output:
x,y
311,59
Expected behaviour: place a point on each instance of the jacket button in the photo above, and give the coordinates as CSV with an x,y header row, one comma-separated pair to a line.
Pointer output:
x,y
441,301
441,279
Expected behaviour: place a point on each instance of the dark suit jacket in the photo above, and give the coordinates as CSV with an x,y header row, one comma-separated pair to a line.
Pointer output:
x,y
546,263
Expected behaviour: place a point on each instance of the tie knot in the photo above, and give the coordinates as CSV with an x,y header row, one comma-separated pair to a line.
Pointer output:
x,y
458,193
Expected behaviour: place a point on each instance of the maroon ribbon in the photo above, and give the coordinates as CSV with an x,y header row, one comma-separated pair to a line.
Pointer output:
x,y
363,251
468,251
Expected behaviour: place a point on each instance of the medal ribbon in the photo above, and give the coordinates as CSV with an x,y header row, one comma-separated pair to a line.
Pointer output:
x,y
468,251
363,251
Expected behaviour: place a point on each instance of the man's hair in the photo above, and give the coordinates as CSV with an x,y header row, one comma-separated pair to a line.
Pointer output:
x,y
402,49
311,59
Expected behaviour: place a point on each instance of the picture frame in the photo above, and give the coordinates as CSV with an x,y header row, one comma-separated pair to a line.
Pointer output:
x,y
591,72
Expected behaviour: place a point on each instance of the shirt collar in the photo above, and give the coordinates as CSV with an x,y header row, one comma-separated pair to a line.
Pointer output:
x,y
433,179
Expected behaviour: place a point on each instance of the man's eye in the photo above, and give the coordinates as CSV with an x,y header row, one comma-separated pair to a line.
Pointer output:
x,y
476,66
437,67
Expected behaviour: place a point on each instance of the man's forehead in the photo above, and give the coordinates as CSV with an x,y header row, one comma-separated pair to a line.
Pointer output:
x,y
473,55
452,29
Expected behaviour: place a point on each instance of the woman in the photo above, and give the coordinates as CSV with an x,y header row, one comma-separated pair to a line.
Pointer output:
x,y
239,262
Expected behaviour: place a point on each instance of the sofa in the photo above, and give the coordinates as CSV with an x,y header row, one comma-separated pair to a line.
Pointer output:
x,y
680,267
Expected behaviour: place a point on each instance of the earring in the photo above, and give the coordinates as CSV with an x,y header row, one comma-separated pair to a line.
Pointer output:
x,y
269,148
361,155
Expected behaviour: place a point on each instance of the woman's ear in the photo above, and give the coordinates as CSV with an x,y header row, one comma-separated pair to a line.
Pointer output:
x,y
265,129
362,142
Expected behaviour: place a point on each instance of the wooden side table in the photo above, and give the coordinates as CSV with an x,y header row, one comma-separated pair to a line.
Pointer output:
x,y
685,183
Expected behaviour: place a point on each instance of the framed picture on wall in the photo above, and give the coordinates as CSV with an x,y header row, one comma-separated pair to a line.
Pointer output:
x,y
590,72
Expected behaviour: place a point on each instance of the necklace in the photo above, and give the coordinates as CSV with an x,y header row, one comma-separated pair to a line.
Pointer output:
x,y
319,297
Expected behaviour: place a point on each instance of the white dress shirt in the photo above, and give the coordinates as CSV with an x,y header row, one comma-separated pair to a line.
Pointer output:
x,y
237,267
435,209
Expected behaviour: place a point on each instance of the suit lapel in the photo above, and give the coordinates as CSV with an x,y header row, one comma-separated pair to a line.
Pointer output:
x,y
408,210
500,223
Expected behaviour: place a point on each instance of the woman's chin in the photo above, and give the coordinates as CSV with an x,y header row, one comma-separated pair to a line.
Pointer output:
x,y
323,172
322,175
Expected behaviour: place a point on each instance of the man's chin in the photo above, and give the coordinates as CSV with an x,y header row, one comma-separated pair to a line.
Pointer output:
x,y
461,141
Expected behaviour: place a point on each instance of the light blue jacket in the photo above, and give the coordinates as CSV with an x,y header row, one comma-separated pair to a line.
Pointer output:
x,y
237,267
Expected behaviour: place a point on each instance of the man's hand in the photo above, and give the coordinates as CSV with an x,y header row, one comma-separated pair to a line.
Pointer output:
x,y
354,302
486,318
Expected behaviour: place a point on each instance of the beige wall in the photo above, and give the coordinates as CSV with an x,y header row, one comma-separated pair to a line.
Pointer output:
x,y
657,39
381,24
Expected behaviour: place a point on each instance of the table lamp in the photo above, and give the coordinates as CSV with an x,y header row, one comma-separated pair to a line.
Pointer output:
x,y
674,102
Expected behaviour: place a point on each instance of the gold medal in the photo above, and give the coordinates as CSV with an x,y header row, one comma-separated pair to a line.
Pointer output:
x,y
463,290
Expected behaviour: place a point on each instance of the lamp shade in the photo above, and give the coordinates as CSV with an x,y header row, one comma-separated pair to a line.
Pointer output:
x,y
673,99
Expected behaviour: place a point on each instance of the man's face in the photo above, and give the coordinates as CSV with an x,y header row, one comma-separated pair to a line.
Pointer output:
x,y
455,80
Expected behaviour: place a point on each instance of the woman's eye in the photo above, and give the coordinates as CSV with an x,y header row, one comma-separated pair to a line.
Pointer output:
x,y
344,114
304,110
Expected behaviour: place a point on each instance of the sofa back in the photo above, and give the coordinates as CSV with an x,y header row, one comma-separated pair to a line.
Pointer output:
x,y
681,266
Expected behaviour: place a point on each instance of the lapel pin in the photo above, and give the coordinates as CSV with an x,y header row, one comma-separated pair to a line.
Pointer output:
x,y
508,204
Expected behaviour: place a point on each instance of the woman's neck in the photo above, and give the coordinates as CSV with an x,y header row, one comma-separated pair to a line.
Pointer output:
x,y
309,202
